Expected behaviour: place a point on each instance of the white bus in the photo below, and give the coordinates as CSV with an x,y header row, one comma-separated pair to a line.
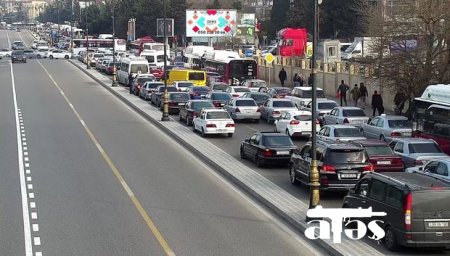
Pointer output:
x,y
129,66
154,58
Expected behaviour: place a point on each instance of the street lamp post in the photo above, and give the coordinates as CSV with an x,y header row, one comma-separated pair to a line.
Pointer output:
x,y
114,80
88,64
165,115
314,172
71,33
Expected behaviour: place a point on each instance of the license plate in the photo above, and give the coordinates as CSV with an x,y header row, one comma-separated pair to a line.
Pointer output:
x,y
221,130
282,152
349,176
383,162
442,224
407,134
180,104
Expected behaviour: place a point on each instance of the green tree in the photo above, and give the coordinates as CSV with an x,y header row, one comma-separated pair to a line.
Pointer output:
x,y
300,15
277,17
237,5
214,5
177,10
340,19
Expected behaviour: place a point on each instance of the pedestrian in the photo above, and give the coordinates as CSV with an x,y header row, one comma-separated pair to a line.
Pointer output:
x,y
296,80
342,91
377,103
310,80
130,82
399,101
282,76
355,95
301,80
363,94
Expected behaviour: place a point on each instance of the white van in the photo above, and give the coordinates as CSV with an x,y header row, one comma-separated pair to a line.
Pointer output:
x,y
42,46
129,66
155,58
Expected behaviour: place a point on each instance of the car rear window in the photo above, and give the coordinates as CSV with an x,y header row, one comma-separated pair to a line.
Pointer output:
x,y
220,96
353,112
241,89
347,132
142,80
217,115
308,94
179,96
277,141
400,123
200,105
259,97
152,85
185,84
221,87
424,148
283,104
303,117
201,88
346,156
257,84
327,105
243,103
432,201
378,150
196,76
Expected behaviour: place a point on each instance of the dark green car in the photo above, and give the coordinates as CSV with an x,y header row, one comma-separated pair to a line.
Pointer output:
x,y
18,56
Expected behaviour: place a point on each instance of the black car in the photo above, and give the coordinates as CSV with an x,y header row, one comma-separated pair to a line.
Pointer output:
x,y
193,109
276,92
417,208
176,101
267,147
197,92
156,98
218,98
341,165
18,56
259,97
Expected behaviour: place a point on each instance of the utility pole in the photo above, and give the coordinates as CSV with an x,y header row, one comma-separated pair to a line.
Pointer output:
x,y
165,115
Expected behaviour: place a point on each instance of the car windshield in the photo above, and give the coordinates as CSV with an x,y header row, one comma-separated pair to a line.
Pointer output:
x,y
277,141
142,80
259,97
353,112
378,150
220,96
327,105
242,103
217,115
185,84
136,68
283,104
347,132
303,117
201,89
241,89
308,94
200,105
179,96
346,156
400,123
424,148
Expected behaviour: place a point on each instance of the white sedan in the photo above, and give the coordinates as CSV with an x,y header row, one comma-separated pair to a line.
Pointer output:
x,y
439,168
340,132
58,54
5,53
214,121
295,123
237,91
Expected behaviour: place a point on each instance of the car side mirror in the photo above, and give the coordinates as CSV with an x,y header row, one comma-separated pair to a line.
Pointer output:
x,y
247,140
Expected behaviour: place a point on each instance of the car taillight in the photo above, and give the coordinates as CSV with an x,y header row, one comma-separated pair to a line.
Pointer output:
x,y
237,110
346,121
258,110
276,112
418,162
216,103
317,121
395,134
230,125
397,161
328,168
408,211
171,103
193,114
368,168
294,122
235,95
267,152
211,126
324,181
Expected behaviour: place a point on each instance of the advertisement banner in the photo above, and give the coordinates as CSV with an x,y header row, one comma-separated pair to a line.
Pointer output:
x,y
246,25
210,23
160,27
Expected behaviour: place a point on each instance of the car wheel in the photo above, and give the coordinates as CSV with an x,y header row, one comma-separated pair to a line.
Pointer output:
x,y
241,151
39,56
203,133
390,240
230,134
66,57
292,175
258,161
382,138
50,57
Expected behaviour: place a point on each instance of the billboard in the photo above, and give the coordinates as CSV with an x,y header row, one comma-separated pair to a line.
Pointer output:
x,y
246,25
210,23
160,27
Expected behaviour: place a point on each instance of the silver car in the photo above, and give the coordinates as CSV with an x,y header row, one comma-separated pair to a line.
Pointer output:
x,y
323,107
439,168
243,108
346,115
387,127
273,108
339,132
416,151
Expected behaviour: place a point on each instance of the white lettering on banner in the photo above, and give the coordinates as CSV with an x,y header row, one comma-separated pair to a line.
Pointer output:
x,y
337,216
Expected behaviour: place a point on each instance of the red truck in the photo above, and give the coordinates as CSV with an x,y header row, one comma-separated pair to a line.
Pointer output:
x,y
292,42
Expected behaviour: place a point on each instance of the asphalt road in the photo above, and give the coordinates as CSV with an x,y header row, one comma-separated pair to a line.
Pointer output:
x,y
106,182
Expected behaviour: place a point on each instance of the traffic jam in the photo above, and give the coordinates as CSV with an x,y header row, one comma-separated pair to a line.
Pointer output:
x,y
396,164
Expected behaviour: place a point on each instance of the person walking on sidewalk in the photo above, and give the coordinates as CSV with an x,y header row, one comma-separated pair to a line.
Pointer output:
x,y
130,82
296,80
363,94
355,95
377,103
399,101
282,76
342,91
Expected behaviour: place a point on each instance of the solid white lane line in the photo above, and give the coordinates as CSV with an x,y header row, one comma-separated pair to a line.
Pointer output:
x,y
25,210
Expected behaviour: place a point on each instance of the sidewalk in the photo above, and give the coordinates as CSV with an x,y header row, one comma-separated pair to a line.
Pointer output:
x,y
280,202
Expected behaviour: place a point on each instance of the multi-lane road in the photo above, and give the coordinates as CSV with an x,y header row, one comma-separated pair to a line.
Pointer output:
x,y
82,174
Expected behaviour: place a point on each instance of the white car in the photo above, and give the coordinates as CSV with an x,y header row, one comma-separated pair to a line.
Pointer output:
x,y
340,133
439,168
243,108
214,121
182,85
295,123
254,84
237,91
346,115
5,52
58,54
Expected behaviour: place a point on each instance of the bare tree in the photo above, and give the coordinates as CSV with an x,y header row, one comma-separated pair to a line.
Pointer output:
x,y
413,42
